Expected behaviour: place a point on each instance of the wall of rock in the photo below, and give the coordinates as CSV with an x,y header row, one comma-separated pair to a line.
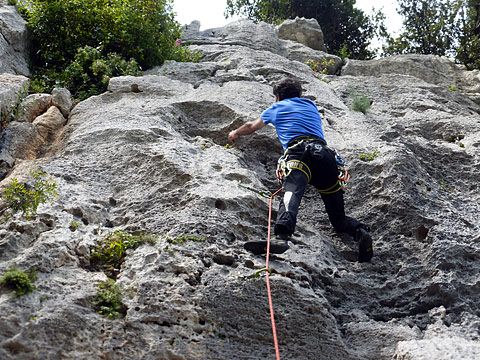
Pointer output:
x,y
149,156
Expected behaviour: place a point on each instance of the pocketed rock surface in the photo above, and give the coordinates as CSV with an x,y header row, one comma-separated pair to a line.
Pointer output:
x,y
149,156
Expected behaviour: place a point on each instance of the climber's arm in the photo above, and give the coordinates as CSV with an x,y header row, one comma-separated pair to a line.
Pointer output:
x,y
246,129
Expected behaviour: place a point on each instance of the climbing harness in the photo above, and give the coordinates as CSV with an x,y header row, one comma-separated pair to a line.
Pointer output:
x,y
285,167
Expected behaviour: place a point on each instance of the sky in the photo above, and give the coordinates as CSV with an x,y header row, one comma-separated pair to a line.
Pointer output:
x,y
210,12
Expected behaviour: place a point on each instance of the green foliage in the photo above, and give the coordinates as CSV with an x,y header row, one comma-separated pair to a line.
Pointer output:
x,y
19,281
140,29
181,239
468,51
457,139
110,252
22,197
109,300
342,24
74,225
360,101
369,156
183,54
81,44
90,72
273,12
320,67
12,2
452,88
429,28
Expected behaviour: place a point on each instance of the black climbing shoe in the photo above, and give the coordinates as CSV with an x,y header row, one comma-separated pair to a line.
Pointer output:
x,y
365,247
277,246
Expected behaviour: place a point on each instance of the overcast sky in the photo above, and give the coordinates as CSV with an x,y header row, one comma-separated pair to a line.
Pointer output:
x,y
210,12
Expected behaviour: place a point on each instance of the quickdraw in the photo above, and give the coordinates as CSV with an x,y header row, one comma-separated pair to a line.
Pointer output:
x,y
264,193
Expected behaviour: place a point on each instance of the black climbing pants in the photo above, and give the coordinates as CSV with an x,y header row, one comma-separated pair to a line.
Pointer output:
x,y
324,174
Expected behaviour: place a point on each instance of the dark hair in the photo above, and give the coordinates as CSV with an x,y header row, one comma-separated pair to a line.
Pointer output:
x,y
287,88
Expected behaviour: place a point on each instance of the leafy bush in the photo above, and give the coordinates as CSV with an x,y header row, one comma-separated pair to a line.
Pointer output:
x,y
81,44
109,300
144,30
22,197
90,72
19,281
111,250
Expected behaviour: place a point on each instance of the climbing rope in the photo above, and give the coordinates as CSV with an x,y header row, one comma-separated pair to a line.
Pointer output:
x,y
267,273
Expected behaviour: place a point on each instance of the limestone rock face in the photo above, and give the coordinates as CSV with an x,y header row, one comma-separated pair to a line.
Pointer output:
x,y
48,123
150,156
13,42
303,31
32,106
12,90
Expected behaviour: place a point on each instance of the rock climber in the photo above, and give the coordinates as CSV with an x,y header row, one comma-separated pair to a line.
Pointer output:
x,y
306,159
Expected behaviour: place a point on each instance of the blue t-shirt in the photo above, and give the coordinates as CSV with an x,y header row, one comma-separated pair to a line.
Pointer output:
x,y
294,117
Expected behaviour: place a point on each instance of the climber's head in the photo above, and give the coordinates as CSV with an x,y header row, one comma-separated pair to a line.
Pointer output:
x,y
286,89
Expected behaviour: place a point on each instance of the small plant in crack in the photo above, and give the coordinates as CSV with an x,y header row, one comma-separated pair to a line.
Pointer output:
x,y
27,198
360,101
74,225
369,156
181,239
18,281
108,301
111,250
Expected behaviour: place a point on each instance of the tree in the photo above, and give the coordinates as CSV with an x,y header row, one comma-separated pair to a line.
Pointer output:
x,y
144,30
469,49
346,29
430,27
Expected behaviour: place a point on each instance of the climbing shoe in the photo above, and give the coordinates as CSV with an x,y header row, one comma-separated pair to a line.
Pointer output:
x,y
277,246
365,246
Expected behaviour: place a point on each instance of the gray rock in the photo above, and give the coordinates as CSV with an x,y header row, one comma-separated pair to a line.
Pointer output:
x,y
48,123
62,99
13,88
32,106
303,31
149,156
430,68
13,42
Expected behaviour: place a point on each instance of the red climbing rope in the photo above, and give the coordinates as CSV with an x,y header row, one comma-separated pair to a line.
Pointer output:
x,y
274,330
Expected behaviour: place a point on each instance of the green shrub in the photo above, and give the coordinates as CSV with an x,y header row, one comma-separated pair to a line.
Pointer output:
x,y
81,44
19,281
22,197
109,254
90,72
144,30
109,300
